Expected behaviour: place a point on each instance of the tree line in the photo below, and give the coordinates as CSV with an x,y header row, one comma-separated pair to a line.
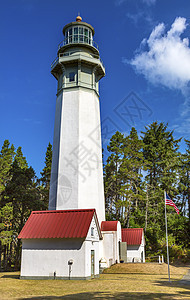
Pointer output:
x,y
21,192
136,173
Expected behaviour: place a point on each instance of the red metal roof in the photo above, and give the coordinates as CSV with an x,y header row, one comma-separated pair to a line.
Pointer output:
x,y
109,225
58,224
133,236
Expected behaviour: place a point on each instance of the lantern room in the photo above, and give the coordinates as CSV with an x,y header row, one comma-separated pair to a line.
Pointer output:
x,y
78,61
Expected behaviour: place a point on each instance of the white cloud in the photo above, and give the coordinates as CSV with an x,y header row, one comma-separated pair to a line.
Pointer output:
x,y
140,15
166,60
148,2
182,127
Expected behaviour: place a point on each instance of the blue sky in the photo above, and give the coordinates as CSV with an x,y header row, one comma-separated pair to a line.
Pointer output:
x,y
144,45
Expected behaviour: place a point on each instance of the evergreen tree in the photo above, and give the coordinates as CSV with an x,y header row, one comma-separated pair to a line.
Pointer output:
x,y
6,158
22,192
138,200
131,177
123,176
20,159
112,176
6,232
162,158
162,164
184,186
45,176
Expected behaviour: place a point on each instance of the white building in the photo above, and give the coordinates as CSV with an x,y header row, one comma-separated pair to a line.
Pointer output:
x,y
61,244
111,232
134,237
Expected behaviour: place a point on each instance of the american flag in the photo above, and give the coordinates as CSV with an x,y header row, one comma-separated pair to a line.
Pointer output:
x,y
169,201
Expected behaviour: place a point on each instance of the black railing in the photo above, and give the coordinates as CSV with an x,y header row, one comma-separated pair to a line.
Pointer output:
x,y
78,39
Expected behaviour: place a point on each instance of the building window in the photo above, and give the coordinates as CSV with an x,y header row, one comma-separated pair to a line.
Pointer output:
x,y
71,77
92,231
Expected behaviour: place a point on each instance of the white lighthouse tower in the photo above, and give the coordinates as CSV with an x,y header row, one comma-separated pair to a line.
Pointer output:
x,y
72,240
77,174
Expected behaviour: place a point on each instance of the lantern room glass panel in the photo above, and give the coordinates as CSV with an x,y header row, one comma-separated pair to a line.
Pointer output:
x,y
78,34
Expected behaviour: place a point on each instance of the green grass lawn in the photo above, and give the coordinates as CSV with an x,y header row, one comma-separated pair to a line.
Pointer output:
x,y
122,281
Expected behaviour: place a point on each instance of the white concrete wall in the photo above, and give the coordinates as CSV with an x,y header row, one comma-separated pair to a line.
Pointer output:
x,y
108,247
119,236
111,246
91,189
43,257
101,249
55,156
92,243
119,239
143,247
77,173
136,253
133,253
94,237
89,245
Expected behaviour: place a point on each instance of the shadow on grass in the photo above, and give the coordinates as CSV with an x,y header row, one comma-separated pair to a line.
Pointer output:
x,y
102,295
132,273
180,265
184,282
175,283
11,276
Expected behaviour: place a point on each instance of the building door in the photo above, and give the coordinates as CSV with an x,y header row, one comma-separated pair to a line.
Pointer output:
x,y
142,256
92,263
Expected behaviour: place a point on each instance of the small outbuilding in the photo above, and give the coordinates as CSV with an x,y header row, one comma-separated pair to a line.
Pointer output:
x,y
111,233
134,237
60,244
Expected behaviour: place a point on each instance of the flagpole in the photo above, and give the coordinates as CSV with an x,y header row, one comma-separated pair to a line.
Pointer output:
x,y
167,237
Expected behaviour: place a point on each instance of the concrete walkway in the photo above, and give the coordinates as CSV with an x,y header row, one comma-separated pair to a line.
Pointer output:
x,y
186,279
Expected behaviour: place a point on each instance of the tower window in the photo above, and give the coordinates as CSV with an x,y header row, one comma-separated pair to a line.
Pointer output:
x,y
71,77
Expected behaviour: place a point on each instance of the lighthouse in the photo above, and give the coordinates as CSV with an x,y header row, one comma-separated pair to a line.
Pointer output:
x,y
77,174
72,240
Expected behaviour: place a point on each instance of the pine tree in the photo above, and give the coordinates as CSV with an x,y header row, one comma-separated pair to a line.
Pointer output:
x,y
161,155
20,159
187,169
162,164
22,192
6,232
112,176
123,176
130,170
6,158
45,176
184,182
